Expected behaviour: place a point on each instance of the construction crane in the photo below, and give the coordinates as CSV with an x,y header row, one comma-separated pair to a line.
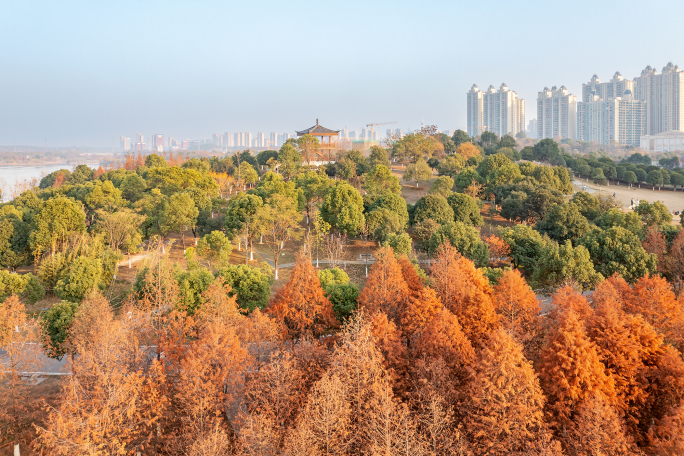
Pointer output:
x,y
372,127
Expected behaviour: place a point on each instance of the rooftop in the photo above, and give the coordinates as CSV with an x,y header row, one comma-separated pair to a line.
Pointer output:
x,y
318,130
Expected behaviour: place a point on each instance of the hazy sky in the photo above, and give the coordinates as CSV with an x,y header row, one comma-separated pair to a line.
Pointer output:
x,y
86,72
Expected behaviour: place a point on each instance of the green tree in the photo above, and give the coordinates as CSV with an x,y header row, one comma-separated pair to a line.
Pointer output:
x,y
615,217
264,156
598,177
246,174
675,178
654,214
654,178
83,276
215,247
378,156
279,223
155,161
395,204
587,204
314,186
132,187
121,229
492,163
525,245
442,186
26,286
56,323
381,222
251,286
546,150
309,147
191,284
452,165
81,175
503,175
290,160
618,250
465,239
179,213
333,276
433,207
465,209
400,243
343,208
565,263
467,178
56,219
343,299
459,137
418,172
49,180
241,217
564,223
380,181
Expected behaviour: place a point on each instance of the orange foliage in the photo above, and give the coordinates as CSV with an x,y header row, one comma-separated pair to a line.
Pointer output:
x,y
655,243
653,298
467,150
498,248
465,291
667,437
567,298
598,429
389,341
414,282
140,161
386,290
444,339
419,311
571,370
98,172
59,180
129,164
503,408
301,304
518,307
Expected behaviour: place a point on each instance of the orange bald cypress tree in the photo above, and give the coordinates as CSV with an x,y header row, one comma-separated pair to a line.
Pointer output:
x,y
444,339
301,304
419,311
568,298
598,430
653,298
570,369
465,291
619,342
388,339
414,282
503,409
667,437
519,309
385,290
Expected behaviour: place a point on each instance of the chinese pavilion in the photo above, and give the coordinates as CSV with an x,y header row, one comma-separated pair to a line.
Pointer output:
x,y
327,139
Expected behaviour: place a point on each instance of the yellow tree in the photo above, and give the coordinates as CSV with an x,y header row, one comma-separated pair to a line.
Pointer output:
x,y
279,223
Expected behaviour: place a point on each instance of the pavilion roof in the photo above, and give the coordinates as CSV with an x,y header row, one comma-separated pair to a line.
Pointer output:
x,y
317,130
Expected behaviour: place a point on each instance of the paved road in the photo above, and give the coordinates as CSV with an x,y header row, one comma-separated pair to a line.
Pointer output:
x,y
674,201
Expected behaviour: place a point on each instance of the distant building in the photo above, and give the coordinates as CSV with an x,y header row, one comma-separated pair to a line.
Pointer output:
x,y
228,140
664,97
248,139
614,88
621,119
260,140
125,143
501,112
185,144
556,114
273,140
666,141
158,143
532,128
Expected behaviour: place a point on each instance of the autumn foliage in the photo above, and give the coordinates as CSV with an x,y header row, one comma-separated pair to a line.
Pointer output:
x,y
448,365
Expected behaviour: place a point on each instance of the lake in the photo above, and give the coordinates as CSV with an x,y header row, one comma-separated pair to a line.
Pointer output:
x,y
10,175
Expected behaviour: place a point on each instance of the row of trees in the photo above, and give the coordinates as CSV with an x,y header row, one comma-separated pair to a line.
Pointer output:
x,y
449,365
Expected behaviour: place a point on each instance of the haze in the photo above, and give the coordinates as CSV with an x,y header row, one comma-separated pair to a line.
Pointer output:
x,y
84,73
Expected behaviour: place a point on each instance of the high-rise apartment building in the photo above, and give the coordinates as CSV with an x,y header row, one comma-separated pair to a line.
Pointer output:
x,y
228,140
125,143
532,128
248,139
185,144
556,114
260,140
501,112
273,140
621,119
664,97
614,88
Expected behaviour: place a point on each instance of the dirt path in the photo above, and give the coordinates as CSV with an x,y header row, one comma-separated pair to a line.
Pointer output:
x,y
674,201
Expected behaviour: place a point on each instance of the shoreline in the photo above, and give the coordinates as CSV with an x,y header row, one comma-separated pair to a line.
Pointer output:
x,y
50,163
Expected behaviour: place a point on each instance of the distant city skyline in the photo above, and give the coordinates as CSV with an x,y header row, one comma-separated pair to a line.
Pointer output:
x,y
84,74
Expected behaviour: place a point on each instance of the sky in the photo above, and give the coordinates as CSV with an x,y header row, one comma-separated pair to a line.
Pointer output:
x,y
86,72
